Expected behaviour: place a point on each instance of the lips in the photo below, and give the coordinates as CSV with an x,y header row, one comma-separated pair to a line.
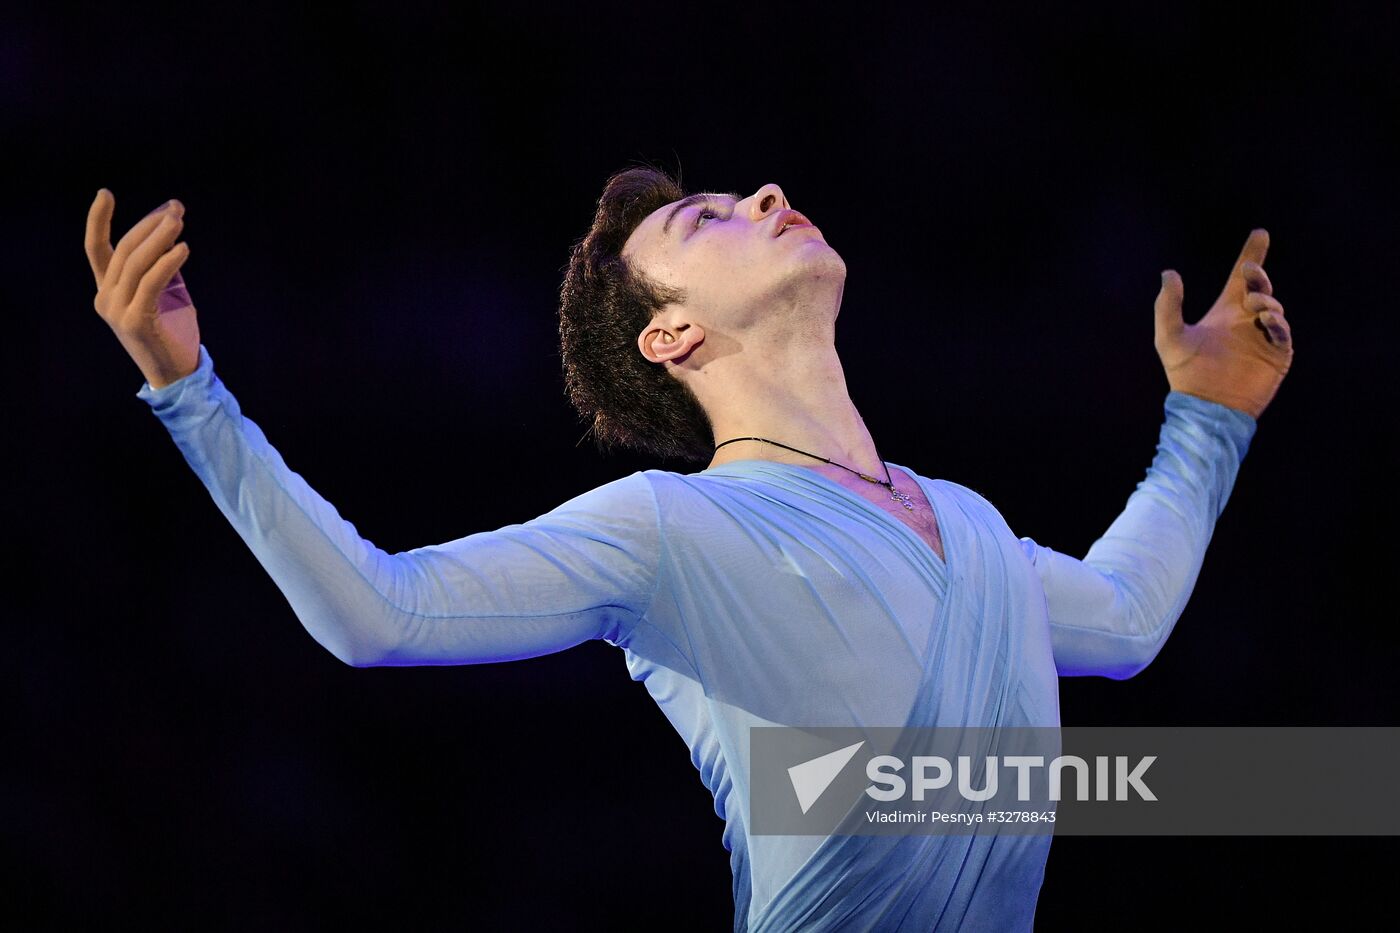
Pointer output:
x,y
786,219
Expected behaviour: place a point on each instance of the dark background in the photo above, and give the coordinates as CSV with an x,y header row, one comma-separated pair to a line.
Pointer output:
x,y
380,201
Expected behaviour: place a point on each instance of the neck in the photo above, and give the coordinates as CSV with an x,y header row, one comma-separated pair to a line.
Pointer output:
x,y
795,395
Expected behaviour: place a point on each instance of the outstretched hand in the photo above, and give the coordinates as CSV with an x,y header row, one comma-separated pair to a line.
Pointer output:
x,y
1239,352
140,293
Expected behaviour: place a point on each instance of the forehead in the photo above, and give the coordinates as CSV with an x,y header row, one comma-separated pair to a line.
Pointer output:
x,y
665,224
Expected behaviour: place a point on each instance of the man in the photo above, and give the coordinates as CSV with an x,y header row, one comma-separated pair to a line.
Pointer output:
x,y
797,580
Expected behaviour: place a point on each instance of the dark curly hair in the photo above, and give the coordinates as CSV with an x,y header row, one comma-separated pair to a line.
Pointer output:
x,y
627,400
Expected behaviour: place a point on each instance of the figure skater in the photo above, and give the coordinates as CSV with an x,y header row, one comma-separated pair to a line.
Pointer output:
x,y
796,577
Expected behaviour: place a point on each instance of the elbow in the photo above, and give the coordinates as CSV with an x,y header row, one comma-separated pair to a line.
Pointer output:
x,y
354,657
1125,672
1120,659
1116,669
354,637
354,652
1136,658
1147,632
364,654
1080,652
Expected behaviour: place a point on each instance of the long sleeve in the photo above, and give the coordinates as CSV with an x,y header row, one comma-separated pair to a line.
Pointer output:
x,y
1111,612
587,569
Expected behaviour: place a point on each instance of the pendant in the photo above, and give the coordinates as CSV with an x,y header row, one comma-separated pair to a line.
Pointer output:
x,y
901,498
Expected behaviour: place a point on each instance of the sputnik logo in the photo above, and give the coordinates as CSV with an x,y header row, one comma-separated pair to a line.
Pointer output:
x,y
811,778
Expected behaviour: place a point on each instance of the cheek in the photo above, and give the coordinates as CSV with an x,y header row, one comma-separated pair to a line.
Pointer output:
x,y
737,253
726,272
721,270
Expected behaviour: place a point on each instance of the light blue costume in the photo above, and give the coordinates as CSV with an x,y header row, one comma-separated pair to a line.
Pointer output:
x,y
761,593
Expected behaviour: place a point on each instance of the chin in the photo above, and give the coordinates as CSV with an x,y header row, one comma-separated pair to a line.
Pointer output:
x,y
828,263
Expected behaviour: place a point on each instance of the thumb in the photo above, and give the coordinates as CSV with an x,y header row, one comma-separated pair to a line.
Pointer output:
x,y
1170,322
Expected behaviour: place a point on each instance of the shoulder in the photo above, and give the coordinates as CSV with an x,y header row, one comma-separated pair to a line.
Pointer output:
x,y
626,506
630,494
650,491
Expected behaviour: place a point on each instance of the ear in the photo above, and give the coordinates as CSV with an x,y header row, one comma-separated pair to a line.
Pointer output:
x,y
667,339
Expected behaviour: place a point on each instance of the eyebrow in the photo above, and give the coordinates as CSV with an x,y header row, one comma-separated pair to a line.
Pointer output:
x,y
687,201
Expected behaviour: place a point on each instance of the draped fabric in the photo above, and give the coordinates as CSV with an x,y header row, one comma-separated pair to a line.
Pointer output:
x,y
961,643
757,594
990,645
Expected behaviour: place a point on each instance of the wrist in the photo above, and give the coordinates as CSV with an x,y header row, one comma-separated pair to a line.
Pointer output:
x,y
1209,418
1243,406
162,372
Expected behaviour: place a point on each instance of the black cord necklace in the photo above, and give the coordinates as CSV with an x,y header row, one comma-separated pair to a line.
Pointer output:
x,y
887,482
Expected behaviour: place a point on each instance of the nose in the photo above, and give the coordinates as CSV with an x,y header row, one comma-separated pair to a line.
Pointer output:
x,y
766,200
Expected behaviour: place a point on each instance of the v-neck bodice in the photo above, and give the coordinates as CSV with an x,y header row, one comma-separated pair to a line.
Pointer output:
x,y
813,607
754,466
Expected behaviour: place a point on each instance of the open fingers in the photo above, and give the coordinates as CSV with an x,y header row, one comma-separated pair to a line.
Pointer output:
x,y
98,240
144,256
134,238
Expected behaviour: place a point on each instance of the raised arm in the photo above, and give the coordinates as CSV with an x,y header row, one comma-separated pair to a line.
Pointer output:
x,y
584,570
1111,612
